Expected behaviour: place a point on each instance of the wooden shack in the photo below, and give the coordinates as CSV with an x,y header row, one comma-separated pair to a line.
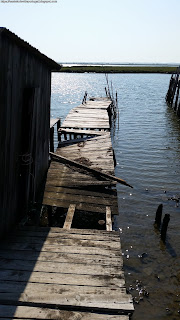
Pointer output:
x,y
25,89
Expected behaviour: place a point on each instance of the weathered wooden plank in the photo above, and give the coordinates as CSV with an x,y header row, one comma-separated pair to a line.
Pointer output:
x,y
85,123
58,289
104,194
108,219
65,183
82,146
106,244
69,217
82,198
61,257
60,249
109,237
79,205
106,280
76,176
96,302
59,267
93,116
10,312
101,233
78,125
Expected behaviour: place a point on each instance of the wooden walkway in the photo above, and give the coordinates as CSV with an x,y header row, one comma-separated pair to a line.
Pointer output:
x,y
87,141
71,273
92,115
52,273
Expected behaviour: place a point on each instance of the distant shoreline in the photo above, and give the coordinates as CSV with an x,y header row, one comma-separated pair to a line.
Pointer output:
x,y
118,69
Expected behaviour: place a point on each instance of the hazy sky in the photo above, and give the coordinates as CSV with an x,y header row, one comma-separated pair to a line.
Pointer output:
x,y
99,30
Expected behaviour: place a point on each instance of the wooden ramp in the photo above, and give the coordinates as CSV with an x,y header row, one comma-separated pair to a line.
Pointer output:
x,y
52,273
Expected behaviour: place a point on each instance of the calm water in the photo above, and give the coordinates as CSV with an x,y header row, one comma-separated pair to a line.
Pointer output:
x,y
147,147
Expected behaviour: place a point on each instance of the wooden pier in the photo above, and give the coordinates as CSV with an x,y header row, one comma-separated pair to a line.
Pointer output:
x,y
71,272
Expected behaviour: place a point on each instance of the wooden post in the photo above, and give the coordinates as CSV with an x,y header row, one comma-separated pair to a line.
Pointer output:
x,y
158,217
108,219
52,139
58,127
164,226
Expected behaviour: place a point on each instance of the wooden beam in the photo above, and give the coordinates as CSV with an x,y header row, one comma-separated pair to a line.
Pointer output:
x,y
108,219
69,217
85,132
94,171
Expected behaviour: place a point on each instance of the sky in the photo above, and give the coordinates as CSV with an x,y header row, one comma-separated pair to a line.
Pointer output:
x,y
129,31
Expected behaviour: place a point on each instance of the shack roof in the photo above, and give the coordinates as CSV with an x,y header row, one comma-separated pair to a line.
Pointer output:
x,y
49,62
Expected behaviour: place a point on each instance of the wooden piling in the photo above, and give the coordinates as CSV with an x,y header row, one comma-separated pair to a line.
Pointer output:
x,y
58,127
172,96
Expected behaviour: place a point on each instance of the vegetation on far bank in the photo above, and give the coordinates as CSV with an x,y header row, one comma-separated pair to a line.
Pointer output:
x,y
119,69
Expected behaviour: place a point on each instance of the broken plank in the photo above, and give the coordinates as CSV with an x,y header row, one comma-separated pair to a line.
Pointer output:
x,y
69,217
96,172
108,219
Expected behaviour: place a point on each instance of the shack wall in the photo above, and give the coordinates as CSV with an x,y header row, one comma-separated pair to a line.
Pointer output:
x,y
25,84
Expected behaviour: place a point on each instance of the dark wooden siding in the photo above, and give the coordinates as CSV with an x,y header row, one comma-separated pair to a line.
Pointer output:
x,y
21,71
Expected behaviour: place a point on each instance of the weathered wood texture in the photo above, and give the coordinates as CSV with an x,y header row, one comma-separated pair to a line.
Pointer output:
x,y
68,184
79,270
24,312
69,217
92,115
25,84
